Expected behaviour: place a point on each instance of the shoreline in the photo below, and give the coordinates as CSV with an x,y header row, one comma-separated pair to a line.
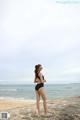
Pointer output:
x,y
32,100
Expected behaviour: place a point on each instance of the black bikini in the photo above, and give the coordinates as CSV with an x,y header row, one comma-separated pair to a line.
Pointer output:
x,y
39,85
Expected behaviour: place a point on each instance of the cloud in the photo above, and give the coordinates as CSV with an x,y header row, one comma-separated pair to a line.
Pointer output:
x,y
39,32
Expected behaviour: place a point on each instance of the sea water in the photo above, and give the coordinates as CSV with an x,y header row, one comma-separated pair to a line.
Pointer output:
x,y
27,91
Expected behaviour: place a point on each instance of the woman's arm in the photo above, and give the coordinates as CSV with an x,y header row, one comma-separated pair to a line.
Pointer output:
x,y
41,78
44,80
34,80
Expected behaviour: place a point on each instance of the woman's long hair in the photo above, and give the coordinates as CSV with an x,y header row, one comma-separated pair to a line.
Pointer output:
x,y
37,70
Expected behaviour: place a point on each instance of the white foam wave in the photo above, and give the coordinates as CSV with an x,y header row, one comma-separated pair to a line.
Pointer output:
x,y
20,99
7,89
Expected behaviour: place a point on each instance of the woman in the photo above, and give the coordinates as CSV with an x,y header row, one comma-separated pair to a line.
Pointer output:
x,y
39,88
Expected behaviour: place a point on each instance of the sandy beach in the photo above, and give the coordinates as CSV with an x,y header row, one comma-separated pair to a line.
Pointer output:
x,y
59,109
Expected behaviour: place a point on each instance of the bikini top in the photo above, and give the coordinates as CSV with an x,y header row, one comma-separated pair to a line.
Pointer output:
x,y
42,77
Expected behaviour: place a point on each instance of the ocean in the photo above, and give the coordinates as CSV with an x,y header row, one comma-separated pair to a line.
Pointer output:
x,y
53,91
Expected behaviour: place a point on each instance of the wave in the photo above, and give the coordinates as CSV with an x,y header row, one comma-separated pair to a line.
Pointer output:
x,y
11,98
8,89
18,99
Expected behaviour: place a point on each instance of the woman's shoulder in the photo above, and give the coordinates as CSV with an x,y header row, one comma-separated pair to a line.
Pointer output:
x,y
40,74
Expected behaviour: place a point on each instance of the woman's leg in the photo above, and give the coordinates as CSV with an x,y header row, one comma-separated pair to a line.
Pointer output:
x,y
38,101
42,93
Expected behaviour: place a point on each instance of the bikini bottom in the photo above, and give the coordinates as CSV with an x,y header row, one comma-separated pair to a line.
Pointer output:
x,y
39,86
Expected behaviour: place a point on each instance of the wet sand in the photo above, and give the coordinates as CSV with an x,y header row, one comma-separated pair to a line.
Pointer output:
x,y
59,109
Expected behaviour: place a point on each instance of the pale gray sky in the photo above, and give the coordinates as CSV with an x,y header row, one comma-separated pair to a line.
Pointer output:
x,y
39,31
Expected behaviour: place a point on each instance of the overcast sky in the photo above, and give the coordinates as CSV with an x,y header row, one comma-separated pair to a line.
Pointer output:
x,y
39,31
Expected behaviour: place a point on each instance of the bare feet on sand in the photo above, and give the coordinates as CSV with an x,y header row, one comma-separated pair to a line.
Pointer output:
x,y
37,113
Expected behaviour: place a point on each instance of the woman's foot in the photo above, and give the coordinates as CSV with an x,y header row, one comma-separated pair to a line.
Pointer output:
x,y
47,114
37,113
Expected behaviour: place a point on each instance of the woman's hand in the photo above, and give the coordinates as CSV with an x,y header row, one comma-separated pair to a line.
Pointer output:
x,y
41,78
34,80
44,80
